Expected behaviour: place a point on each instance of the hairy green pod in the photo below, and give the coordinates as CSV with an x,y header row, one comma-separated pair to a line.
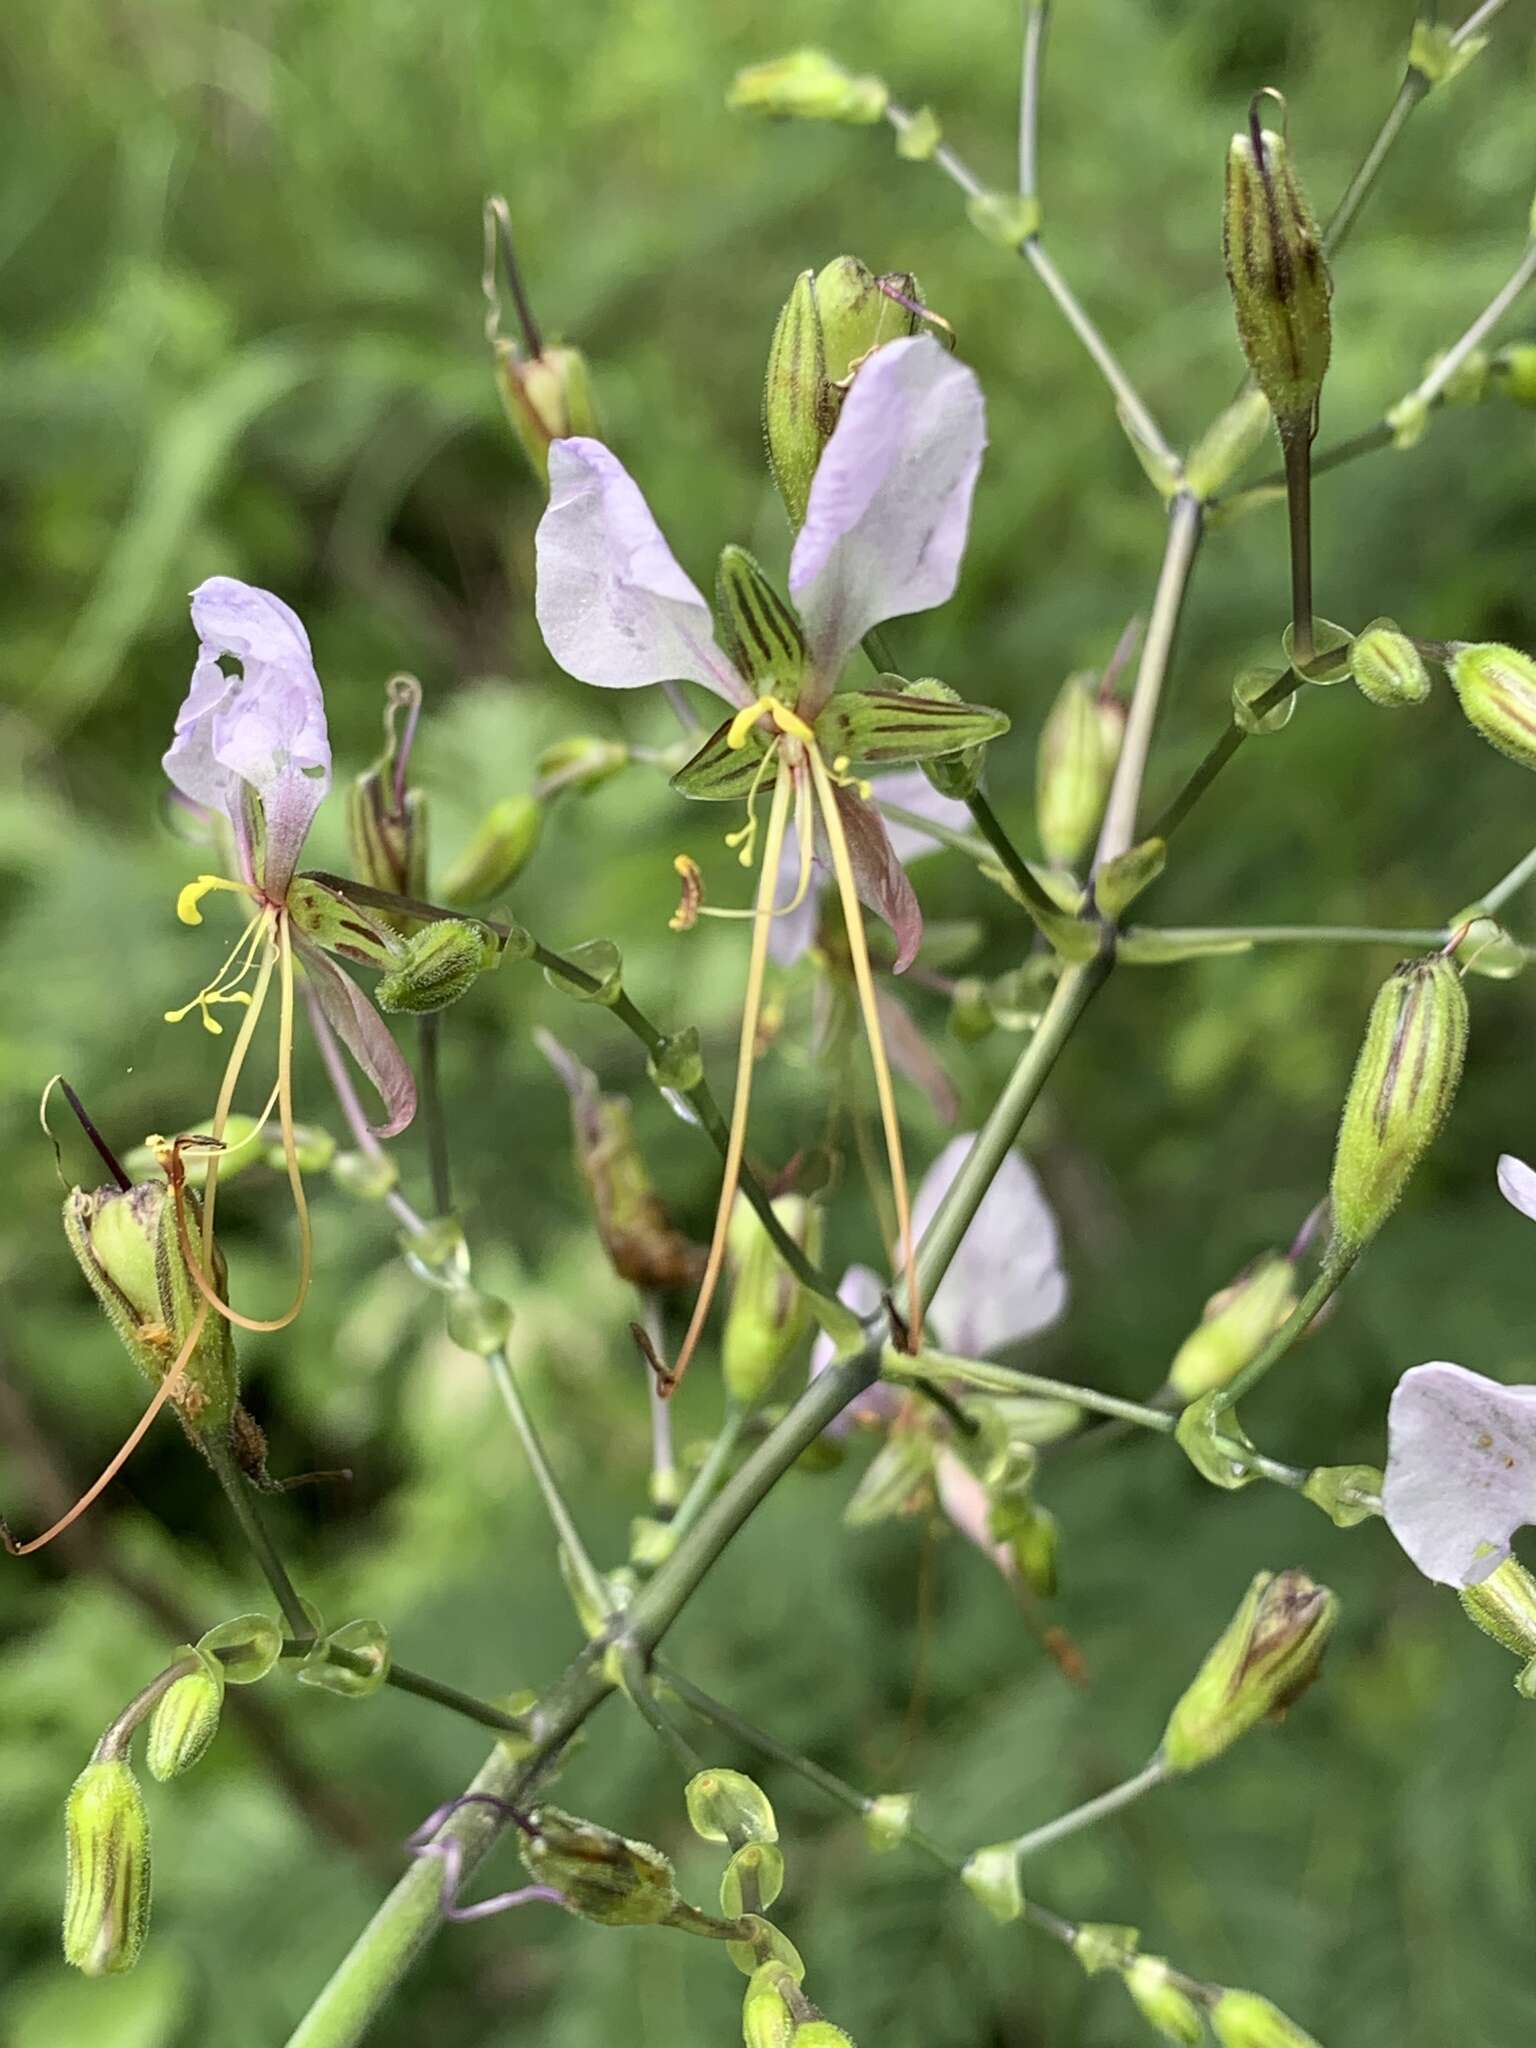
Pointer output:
x,y
1404,1082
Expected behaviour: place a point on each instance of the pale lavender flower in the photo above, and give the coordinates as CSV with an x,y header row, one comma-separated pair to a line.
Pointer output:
x,y
252,744
1461,1458
258,734
884,532
1004,1284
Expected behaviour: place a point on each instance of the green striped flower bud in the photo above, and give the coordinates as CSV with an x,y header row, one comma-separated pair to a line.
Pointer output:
x,y
602,1876
501,846
107,1881
1278,278
1236,1324
546,397
1266,1657
1387,667
185,1720
831,321
128,1246
1074,767
437,965
768,1312
1241,2019
584,762
1169,2011
1497,689
1404,1083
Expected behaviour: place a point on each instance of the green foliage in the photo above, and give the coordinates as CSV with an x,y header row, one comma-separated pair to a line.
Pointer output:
x,y
242,333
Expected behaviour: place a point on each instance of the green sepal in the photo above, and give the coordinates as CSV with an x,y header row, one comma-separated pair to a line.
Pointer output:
x,y
719,773
992,1875
760,1860
245,1648
1331,647
890,726
888,1821
1007,218
368,1640
325,915
1099,1945
1347,1494
722,1804
1207,1434
768,1945
601,960
762,634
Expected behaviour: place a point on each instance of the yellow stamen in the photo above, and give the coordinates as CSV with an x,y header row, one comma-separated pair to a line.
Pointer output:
x,y
786,720
280,956
745,1058
844,780
745,836
194,892
225,985
853,919
693,905
167,1390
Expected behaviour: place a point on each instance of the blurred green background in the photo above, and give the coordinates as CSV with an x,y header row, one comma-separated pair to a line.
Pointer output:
x,y
241,332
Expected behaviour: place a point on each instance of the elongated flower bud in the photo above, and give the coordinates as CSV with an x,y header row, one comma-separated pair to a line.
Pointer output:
x,y
1236,1324
602,1876
1279,280
1267,1656
819,2034
107,1882
438,964
768,1312
1497,689
1241,2019
1404,1083
830,323
129,1249
1074,767
503,843
1387,667
185,1721
547,397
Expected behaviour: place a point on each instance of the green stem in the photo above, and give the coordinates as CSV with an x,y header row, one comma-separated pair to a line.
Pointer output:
x,y
1219,755
1335,1267
1295,934
1445,369
1413,88
238,1493
1092,1810
710,1118
1002,1379
405,1921
729,1722
583,1571
1037,14
116,1737
1013,862
1296,446
1127,397
429,1041
1495,898
1118,830
706,1480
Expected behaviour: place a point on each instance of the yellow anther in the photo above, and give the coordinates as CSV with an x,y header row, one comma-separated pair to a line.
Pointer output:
x,y
786,720
686,915
840,775
194,892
